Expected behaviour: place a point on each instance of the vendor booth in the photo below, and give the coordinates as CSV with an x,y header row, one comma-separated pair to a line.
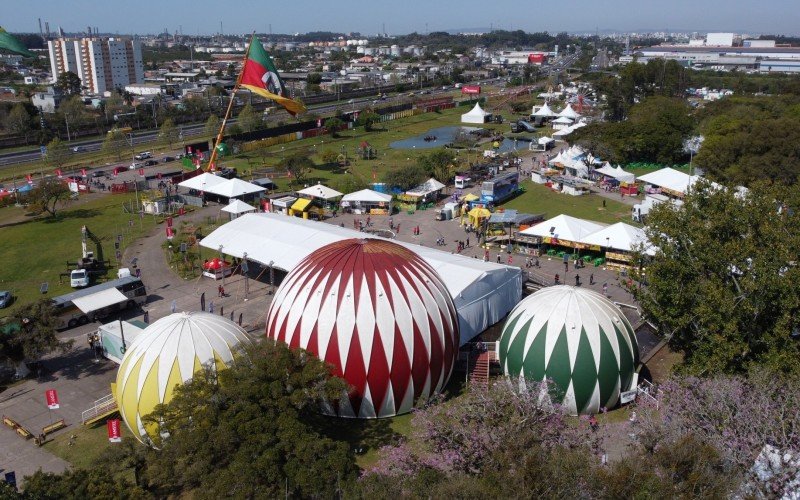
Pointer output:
x,y
217,268
476,115
476,216
237,208
368,201
282,205
307,208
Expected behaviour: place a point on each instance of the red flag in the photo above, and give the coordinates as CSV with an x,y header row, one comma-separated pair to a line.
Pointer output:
x,y
114,430
170,232
52,399
58,172
29,178
169,221
116,171
141,172
83,172
158,175
213,166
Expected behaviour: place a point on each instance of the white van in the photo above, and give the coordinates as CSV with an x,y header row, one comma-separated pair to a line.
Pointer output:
x,y
79,278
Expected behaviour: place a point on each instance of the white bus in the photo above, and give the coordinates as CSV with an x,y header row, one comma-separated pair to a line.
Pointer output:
x,y
98,301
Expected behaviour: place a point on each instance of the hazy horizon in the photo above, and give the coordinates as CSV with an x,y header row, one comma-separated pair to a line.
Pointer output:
x,y
369,18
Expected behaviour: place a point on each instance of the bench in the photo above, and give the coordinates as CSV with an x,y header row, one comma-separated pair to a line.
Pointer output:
x,y
49,429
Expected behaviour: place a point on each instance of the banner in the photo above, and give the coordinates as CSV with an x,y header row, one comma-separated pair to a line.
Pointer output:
x,y
170,233
52,399
114,430
471,89
141,172
169,221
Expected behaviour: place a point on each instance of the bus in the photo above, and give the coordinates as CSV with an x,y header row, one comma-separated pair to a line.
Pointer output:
x,y
120,130
98,301
500,188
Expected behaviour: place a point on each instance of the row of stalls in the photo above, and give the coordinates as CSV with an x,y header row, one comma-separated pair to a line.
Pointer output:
x,y
570,238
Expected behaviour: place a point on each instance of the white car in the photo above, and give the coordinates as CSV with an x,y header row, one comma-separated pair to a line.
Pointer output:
x,y
79,278
136,165
143,155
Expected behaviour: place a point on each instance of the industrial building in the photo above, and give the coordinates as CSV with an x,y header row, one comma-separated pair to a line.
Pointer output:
x,y
102,64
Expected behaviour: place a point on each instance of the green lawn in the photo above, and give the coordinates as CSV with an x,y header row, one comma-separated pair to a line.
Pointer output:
x,y
88,444
380,139
36,250
539,199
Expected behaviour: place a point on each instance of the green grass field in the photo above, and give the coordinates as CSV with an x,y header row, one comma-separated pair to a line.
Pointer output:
x,y
36,250
538,199
89,443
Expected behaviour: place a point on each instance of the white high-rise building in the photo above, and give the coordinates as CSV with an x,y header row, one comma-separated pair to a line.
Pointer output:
x,y
102,64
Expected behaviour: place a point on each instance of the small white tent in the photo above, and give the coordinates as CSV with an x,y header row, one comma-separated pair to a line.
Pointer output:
x,y
616,173
233,188
564,227
320,191
620,236
476,115
570,113
544,112
203,182
238,207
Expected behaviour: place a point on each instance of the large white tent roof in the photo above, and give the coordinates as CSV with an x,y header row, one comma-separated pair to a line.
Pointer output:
x,y
238,207
619,236
203,182
320,191
427,187
544,112
483,292
368,196
563,120
668,178
568,112
564,227
616,173
475,115
232,188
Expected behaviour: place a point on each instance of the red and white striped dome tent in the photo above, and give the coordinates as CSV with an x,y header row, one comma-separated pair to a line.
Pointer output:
x,y
379,314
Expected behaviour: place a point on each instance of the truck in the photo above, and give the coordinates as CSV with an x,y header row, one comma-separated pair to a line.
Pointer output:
x,y
500,188
522,126
90,263
116,337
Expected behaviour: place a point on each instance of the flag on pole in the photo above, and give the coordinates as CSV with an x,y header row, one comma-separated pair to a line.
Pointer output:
x,y
29,179
58,173
141,172
9,42
259,75
83,172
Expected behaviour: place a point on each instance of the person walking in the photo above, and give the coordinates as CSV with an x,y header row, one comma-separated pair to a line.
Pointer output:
x,y
211,306
577,280
556,279
498,258
605,289
566,267
591,279
173,306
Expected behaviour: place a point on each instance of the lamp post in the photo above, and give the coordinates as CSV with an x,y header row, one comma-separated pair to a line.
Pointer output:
x,y
271,277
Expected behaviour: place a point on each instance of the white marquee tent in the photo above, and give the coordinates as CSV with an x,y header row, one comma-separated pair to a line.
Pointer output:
x,y
203,182
367,196
570,113
672,180
564,227
544,112
320,191
476,115
619,236
238,207
616,173
426,188
483,292
233,188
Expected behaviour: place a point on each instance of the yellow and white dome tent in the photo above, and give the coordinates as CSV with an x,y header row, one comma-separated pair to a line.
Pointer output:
x,y
168,353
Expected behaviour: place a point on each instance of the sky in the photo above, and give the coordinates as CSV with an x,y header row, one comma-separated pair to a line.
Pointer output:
x,y
369,17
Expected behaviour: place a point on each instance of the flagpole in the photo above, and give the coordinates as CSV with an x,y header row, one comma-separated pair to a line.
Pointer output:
x,y
230,105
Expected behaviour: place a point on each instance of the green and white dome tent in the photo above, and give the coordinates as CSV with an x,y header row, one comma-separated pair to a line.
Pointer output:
x,y
575,338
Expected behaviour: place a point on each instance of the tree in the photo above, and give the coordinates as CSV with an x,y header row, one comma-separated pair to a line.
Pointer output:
x,y
113,105
18,121
723,284
253,430
329,157
405,177
33,336
114,143
57,153
69,83
314,78
168,134
367,118
48,193
334,124
80,483
74,112
249,120
212,125
299,165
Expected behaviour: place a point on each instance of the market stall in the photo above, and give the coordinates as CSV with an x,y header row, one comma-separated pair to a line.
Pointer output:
x,y
367,201
237,208
282,205
217,268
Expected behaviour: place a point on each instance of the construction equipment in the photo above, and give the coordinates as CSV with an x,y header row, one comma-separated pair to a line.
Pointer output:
x,y
91,263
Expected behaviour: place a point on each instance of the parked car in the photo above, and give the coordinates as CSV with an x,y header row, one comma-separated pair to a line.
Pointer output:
x,y
143,155
99,173
5,299
136,165
150,163
78,149
168,159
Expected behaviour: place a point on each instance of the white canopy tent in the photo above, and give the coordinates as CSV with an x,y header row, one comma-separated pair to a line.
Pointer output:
x,y
320,191
367,196
672,180
238,207
99,300
476,115
564,227
203,182
233,188
616,173
544,112
483,292
568,112
619,236
426,188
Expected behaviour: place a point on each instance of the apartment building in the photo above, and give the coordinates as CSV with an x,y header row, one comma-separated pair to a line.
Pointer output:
x,y
102,64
